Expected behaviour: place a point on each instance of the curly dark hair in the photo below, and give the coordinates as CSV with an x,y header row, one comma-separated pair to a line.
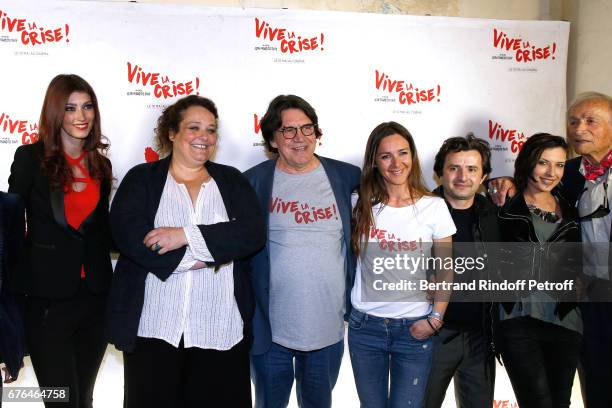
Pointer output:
x,y
171,117
463,144
530,154
50,130
272,121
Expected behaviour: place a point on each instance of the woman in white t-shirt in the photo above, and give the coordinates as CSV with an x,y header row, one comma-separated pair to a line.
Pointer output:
x,y
392,320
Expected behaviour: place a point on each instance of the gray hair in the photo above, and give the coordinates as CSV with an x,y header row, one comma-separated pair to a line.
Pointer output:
x,y
591,97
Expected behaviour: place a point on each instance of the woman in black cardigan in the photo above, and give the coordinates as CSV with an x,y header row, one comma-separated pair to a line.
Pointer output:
x,y
181,301
65,271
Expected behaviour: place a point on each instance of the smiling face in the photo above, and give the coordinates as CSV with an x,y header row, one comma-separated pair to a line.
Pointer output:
x,y
79,115
196,139
462,176
295,155
394,160
548,171
589,128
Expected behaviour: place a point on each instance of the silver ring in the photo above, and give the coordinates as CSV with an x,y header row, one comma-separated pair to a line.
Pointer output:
x,y
156,247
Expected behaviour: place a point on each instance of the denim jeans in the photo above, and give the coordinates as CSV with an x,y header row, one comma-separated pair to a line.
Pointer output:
x,y
315,373
381,348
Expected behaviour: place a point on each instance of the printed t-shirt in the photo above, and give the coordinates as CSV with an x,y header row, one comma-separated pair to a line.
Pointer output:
x,y
413,227
307,262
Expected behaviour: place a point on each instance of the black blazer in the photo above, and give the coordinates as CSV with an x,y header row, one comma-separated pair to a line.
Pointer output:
x,y
12,232
50,265
132,217
572,183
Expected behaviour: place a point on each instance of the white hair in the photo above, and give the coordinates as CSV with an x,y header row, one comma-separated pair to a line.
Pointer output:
x,y
591,97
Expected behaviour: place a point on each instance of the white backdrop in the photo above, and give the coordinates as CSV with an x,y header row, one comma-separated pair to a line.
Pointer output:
x,y
440,77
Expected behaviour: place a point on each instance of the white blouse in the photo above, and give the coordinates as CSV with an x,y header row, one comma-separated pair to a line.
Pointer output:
x,y
198,305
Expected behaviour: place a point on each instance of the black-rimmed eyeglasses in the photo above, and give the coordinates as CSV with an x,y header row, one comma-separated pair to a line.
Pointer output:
x,y
289,132
602,210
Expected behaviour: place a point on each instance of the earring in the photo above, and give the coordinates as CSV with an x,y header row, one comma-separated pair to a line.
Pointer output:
x,y
320,143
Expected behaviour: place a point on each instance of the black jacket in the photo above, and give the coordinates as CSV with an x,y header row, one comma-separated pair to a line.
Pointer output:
x,y
50,265
486,235
572,183
551,260
132,217
486,228
12,233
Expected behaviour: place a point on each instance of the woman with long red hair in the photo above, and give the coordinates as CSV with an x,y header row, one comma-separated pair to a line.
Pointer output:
x,y
65,181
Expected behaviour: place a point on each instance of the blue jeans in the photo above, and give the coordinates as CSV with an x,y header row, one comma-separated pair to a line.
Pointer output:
x,y
380,347
315,373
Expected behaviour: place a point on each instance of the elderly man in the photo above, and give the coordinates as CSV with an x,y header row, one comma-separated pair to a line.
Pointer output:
x,y
585,183
462,351
303,276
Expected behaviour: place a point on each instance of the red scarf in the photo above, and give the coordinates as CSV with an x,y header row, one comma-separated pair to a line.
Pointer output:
x,y
593,171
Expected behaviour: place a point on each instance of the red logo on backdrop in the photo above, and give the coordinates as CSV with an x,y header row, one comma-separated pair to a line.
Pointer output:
x,y
504,404
515,138
32,33
257,129
523,50
163,86
290,42
407,93
256,124
27,130
150,155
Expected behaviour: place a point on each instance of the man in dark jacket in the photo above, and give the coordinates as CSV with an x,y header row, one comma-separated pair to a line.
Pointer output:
x,y
12,232
585,183
462,350
303,277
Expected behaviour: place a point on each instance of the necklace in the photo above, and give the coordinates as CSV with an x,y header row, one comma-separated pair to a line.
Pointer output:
x,y
547,216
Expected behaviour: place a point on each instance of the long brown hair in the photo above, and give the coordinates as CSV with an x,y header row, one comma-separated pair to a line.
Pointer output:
x,y
50,129
372,189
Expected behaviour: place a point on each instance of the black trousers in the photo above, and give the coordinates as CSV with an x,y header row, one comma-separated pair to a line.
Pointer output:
x,y
159,375
464,356
66,342
596,358
541,360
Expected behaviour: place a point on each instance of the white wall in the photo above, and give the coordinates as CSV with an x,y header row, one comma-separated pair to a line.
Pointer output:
x,y
590,54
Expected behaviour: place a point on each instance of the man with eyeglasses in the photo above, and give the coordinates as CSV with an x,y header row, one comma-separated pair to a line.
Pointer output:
x,y
585,182
303,276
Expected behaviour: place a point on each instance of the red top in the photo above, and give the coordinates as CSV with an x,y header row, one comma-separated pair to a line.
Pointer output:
x,y
79,204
